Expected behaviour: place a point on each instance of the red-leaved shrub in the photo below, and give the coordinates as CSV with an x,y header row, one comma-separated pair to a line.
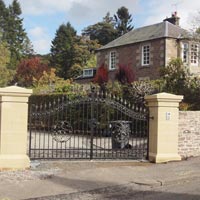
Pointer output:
x,y
125,74
101,76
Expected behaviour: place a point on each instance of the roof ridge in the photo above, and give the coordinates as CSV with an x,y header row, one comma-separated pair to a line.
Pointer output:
x,y
154,31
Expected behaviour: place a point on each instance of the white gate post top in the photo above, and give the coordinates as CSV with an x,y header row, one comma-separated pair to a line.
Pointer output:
x,y
162,98
15,91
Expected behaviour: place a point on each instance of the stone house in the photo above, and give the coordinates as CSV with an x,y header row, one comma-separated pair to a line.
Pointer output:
x,y
149,48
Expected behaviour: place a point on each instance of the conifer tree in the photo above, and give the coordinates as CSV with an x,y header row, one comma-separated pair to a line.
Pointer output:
x,y
14,33
123,21
62,49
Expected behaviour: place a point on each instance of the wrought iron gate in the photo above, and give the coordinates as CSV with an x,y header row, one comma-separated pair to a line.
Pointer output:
x,y
95,126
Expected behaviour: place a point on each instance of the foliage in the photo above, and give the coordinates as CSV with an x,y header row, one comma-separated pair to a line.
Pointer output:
x,y
110,27
175,76
75,71
114,88
13,32
6,75
101,76
125,74
123,21
84,50
192,93
103,31
49,83
3,15
69,50
136,91
4,54
29,70
158,85
62,51
92,62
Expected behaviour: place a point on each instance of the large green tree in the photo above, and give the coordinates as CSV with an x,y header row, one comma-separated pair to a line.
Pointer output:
x,y
62,49
14,33
70,53
123,21
4,54
110,27
103,31
6,75
3,14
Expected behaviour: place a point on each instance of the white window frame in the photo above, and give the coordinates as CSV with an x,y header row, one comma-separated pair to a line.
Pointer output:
x,y
146,55
88,72
194,57
112,60
185,52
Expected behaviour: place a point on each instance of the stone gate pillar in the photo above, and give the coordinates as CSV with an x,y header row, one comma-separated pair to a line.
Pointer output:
x,y
163,127
13,127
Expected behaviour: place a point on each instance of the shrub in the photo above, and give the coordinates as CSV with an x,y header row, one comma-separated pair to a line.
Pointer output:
x,y
136,91
125,74
30,69
175,77
101,76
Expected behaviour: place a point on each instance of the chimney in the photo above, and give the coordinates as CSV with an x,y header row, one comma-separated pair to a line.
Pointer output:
x,y
174,19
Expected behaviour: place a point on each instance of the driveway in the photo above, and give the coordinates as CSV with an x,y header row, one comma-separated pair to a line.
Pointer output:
x,y
53,180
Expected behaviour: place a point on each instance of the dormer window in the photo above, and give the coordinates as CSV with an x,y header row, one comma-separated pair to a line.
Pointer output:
x,y
88,73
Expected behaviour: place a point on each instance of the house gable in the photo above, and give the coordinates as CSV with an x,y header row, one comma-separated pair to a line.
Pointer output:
x,y
146,49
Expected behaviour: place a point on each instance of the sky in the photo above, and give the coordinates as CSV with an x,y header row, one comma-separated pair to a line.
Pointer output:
x,y
42,18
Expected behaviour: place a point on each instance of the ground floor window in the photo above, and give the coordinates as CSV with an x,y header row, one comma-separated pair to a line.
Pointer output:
x,y
112,63
145,55
194,54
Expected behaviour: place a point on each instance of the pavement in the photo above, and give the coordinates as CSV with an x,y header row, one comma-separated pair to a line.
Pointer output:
x,y
85,180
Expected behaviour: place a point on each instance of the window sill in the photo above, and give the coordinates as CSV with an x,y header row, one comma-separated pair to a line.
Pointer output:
x,y
112,69
144,66
194,65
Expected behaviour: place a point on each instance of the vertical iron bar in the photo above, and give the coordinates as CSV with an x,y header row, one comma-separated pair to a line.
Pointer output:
x,y
92,122
147,132
30,128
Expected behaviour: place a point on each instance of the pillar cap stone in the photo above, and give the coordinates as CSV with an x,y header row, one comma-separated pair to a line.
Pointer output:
x,y
15,91
164,97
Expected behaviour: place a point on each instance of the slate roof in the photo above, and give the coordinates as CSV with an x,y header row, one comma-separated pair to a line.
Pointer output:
x,y
164,29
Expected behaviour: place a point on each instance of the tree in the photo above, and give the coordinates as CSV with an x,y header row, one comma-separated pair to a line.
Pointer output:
x,y
69,51
14,33
4,54
3,13
62,49
175,76
137,90
30,70
6,76
75,71
123,21
103,31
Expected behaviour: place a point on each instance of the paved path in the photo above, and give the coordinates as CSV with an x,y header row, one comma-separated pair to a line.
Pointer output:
x,y
57,180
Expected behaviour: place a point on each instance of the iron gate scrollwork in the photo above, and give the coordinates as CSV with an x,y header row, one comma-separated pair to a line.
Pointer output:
x,y
62,131
93,126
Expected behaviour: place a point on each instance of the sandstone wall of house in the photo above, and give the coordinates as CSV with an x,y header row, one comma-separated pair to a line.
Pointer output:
x,y
172,49
189,133
132,55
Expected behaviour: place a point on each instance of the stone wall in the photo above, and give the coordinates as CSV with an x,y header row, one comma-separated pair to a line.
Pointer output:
x,y
189,133
131,55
